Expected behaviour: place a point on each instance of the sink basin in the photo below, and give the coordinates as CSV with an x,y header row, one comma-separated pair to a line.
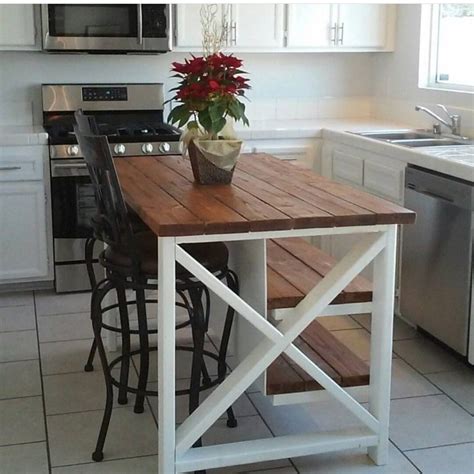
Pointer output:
x,y
421,142
413,138
396,135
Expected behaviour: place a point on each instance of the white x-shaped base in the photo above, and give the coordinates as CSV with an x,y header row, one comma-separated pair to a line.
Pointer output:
x,y
175,452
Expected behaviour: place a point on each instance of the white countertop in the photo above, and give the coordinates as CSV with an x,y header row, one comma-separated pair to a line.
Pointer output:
x,y
457,161
23,135
268,129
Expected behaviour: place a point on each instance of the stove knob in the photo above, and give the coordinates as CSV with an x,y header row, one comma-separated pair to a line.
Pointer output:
x,y
147,148
72,150
164,147
119,149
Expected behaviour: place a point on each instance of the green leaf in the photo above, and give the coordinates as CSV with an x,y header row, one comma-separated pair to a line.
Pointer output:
x,y
218,125
193,125
205,120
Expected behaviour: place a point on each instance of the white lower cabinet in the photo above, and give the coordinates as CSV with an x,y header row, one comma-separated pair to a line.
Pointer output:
x,y
23,249
370,172
24,216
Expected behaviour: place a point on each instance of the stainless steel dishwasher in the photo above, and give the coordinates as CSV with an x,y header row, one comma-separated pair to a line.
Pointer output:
x,y
437,256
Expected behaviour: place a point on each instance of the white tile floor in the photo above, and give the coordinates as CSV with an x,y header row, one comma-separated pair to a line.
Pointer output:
x,y
50,409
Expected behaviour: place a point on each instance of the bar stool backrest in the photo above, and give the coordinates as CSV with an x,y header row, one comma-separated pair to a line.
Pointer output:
x,y
86,123
113,219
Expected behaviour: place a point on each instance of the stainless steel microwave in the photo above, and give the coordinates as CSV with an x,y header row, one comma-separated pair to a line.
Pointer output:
x,y
106,28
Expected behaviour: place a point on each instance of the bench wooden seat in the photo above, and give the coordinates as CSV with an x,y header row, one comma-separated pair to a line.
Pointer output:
x,y
293,268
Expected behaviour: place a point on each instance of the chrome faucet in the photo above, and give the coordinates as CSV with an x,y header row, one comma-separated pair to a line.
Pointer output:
x,y
455,120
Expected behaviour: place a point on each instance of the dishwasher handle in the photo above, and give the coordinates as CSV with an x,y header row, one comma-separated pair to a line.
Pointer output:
x,y
431,194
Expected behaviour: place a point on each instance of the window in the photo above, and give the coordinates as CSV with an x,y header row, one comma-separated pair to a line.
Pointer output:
x,y
450,44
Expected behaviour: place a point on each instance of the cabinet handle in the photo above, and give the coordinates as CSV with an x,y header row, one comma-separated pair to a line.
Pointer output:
x,y
233,36
333,33
139,24
9,168
341,38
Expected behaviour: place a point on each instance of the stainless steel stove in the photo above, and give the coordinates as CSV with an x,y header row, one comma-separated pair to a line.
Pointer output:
x,y
131,116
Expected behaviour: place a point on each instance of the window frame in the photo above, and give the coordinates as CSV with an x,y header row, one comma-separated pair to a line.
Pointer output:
x,y
429,45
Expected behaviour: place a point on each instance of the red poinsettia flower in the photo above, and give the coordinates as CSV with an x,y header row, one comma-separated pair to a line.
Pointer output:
x,y
213,85
209,86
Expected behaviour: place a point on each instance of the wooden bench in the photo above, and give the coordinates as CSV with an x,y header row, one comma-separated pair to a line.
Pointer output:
x,y
294,267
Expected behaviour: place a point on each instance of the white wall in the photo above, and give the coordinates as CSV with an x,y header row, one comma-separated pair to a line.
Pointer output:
x,y
395,79
283,76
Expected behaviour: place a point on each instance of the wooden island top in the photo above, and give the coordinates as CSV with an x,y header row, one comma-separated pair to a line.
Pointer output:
x,y
266,194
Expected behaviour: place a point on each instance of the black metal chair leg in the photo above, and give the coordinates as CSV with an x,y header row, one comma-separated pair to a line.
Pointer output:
x,y
89,256
125,332
198,326
144,351
96,316
233,284
89,367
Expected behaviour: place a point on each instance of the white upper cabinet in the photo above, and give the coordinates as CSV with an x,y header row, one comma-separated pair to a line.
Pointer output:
x,y
248,26
256,26
310,25
293,27
362,25
17,27
188,32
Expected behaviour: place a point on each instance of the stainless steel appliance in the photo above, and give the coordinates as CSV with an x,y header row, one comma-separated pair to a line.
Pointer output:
x,y
131,115
106,28
437,256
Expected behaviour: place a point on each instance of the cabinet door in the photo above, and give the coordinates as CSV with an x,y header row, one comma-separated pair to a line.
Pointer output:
x,y
362,25
256,26
17,26
310,25
347,168
385,181
23,248
188,25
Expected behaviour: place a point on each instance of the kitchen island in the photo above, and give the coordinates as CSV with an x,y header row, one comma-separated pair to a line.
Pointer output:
x,y
244,215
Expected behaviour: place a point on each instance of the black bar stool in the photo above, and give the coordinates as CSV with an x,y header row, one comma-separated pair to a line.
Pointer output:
x,y
130,263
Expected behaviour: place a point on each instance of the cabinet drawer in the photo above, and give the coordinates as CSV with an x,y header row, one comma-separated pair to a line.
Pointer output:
x,y
347,168
21,164
384,180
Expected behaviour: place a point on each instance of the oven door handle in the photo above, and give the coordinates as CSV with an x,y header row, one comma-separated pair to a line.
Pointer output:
x,y
69,169
139,24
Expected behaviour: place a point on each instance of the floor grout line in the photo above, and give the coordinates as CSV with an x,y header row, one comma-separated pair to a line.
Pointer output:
x,y
25,443
48,451
405,456
438,446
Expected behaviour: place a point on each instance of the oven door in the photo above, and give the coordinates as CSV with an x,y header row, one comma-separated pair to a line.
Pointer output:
x,y
106,27
73,199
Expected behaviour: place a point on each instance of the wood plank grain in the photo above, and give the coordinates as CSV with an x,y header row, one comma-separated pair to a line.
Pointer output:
x,y
282,378
163,214
342,210
266,194
387,212
217,217
352,370
358,291
304,215
260,215
281,293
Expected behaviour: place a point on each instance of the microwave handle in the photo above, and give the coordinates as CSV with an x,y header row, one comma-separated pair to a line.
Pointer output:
x,y
139,24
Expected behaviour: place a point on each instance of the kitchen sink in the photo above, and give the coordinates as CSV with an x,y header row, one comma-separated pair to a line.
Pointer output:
x,y
396,135
414,138
420,142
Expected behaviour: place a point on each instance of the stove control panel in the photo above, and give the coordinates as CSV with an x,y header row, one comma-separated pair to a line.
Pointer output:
x,y
104,94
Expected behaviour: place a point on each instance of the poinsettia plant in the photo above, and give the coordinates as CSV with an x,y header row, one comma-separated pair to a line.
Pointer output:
x,y
210,90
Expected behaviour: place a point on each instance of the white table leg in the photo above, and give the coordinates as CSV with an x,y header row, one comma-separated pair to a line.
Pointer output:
x,y
248,260
381,343
166,355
